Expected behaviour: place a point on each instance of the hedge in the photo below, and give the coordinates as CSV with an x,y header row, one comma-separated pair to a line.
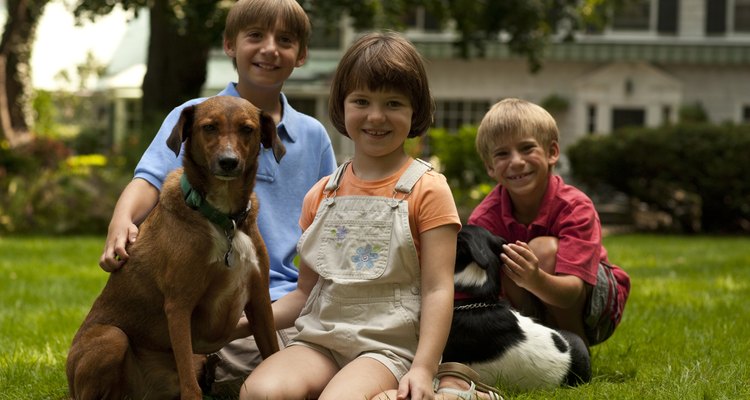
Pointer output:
x,y
696,173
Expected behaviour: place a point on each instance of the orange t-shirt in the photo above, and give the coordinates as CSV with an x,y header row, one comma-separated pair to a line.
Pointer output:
x,y
430,202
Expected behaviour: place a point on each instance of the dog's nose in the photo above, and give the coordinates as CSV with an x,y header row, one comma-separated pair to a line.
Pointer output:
x,y
229,163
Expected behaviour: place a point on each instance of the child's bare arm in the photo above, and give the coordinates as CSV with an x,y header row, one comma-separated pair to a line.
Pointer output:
x,y
438,252
522,266
288,308
137,199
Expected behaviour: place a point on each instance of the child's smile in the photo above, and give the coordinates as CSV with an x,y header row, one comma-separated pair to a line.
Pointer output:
x,y
522,166
520,176
372,132
266,66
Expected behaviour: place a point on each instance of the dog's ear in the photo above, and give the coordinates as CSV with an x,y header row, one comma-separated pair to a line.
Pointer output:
x,y
481,248
497,242
269,137
181,130
484,246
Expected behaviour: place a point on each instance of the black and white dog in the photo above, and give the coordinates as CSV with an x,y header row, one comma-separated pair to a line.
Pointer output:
x,y
503,346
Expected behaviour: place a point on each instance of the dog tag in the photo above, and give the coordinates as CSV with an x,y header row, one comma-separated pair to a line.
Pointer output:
x,y
228,255
230,237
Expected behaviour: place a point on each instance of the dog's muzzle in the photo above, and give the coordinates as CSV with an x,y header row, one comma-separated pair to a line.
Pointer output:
x,y
227,167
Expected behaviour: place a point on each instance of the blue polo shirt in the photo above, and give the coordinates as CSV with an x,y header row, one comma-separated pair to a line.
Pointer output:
x,y
280,187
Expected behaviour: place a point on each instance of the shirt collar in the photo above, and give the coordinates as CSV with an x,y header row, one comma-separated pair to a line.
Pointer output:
x,y
553,185
290,120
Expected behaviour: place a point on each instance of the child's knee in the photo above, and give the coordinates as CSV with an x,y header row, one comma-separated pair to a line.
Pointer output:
x,y
545,250
254,390
265,389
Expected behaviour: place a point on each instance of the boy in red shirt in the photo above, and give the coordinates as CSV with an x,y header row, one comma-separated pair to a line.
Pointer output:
x,y
556,268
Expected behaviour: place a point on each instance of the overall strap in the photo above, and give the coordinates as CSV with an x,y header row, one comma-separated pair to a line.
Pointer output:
x,y
335,179
404,185
412,175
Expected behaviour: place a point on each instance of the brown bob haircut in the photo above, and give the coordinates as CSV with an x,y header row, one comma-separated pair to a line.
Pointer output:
x,y
382,61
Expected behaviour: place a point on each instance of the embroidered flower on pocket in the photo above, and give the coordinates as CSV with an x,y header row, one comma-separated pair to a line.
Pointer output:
x,y
365,257
339,234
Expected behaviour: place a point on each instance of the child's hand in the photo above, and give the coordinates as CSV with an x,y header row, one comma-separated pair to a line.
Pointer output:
x,y
119,237
521,265
415,385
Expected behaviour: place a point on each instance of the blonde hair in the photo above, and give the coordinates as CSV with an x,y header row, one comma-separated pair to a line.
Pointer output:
x,y
265,14
382,61
511,119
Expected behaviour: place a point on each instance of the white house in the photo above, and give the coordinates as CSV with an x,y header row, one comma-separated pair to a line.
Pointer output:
x,y
655,58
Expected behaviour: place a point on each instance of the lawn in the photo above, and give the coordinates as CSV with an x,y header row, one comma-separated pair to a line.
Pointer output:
x,y
684,334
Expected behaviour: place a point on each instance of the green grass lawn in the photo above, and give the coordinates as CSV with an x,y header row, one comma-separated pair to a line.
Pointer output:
x,y
684,333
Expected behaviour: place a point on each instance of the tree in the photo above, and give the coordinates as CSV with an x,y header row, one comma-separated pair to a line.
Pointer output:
x,y
529,25
178,52
15,69
183,32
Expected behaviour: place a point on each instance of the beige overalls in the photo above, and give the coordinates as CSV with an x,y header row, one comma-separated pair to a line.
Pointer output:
x,y
366,302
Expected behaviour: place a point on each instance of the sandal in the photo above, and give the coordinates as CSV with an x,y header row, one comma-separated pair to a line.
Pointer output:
x,y
470,376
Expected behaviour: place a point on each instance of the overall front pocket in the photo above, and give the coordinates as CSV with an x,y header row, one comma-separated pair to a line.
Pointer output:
x,y
354,248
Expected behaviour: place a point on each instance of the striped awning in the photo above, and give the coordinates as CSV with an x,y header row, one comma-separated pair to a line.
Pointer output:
x,y
725,53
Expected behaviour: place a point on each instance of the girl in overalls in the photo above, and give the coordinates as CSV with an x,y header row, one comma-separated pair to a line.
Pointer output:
x,y
375,293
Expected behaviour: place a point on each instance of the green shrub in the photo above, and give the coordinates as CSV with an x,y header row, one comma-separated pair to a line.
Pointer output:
x,y
44,189
696,173
693,113
455,156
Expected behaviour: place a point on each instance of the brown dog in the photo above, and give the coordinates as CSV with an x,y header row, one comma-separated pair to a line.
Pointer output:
x,y
198,263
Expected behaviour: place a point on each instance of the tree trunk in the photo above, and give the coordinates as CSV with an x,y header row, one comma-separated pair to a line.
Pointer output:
x,y
177,65
15,68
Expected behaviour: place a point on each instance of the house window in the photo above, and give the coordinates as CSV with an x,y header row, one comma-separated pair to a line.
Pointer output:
x,y
305,105
632,16
421,19
724,16
667,17
324,36
133,115
452,114
622,117
746,114
742,16
666,115
659,16
716,17
591,119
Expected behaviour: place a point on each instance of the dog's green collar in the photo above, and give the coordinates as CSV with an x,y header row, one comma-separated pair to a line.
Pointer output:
x,y
195,201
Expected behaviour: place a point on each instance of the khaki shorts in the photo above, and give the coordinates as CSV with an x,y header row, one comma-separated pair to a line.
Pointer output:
x,y
227,369
398,365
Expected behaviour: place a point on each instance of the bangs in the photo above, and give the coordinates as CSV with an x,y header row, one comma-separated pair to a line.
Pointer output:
x,y
378,72
388,66
512,120
265,14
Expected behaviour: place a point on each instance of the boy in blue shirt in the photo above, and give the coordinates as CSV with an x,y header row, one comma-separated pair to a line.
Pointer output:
x,y
266,40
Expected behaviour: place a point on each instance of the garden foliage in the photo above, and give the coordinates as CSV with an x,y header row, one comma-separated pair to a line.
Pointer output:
x,y
45,189
454,154
695,173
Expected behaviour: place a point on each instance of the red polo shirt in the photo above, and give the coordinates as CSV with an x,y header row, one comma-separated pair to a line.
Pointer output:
x,y
566,213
